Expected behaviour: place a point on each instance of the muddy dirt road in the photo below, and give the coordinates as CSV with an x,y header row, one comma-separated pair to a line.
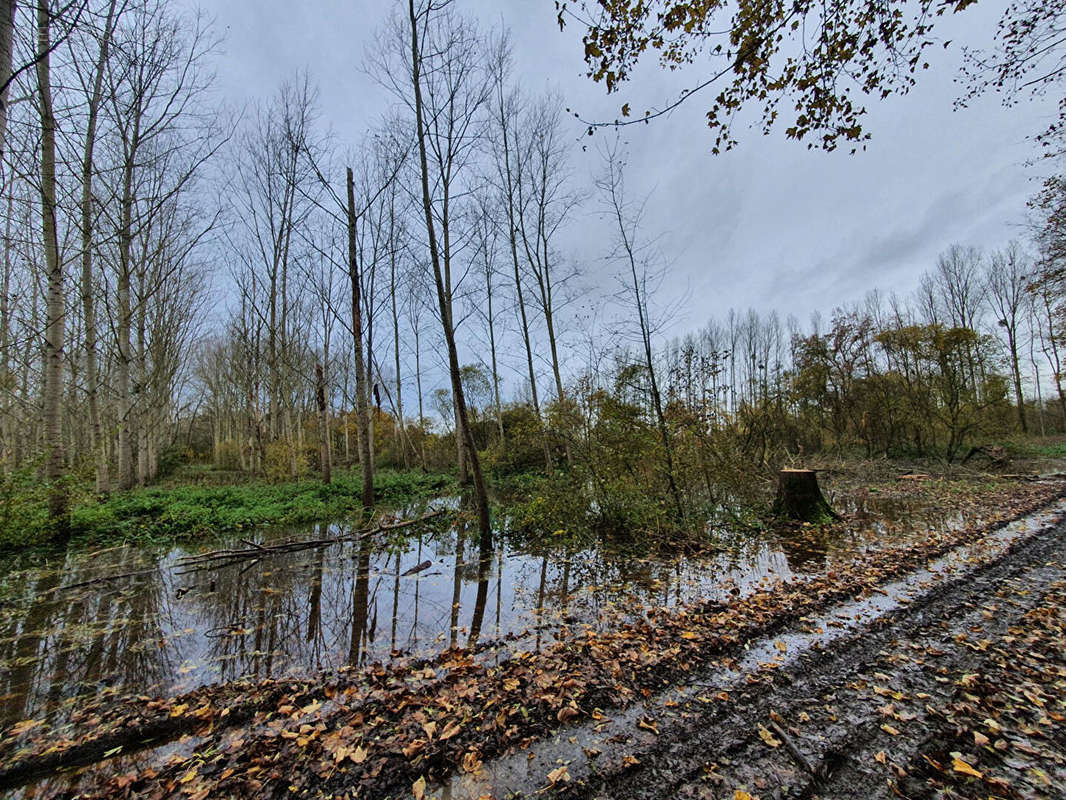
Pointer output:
x,y
949,684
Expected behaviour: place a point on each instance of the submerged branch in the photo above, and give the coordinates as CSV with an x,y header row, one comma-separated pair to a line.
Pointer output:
x,y
217,559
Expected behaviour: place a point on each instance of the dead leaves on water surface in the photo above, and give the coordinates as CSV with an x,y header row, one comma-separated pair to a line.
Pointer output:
x,y
386,729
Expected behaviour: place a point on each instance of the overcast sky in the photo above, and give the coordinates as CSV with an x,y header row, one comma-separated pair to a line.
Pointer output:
x,y
770,225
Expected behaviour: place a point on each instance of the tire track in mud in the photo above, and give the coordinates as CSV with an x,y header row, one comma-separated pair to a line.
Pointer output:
x,y
852,716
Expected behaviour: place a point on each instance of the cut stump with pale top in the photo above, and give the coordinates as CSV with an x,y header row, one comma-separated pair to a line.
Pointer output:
x,y
800,498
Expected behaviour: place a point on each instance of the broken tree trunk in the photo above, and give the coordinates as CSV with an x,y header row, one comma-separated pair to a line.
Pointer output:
x,y
799,498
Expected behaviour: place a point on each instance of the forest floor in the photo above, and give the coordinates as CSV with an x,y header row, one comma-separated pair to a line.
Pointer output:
x,y
935,666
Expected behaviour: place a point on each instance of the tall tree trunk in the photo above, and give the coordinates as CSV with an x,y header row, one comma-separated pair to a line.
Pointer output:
x,y
7,31
401,429
323,423
542,273
142,413
125,311
645,334
55,311
92,378
418,389
362,427
1016,374
481,495
492,348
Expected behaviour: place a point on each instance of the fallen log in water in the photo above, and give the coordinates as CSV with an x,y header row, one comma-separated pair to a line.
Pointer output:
x,y
217,559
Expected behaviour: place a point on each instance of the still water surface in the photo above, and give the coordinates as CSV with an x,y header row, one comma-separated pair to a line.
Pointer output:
x,y
164,630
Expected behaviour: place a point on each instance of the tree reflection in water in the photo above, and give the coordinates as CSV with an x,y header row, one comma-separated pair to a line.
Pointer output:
x,y
298,613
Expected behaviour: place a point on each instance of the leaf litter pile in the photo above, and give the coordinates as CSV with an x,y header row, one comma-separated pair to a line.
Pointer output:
x,y
387,731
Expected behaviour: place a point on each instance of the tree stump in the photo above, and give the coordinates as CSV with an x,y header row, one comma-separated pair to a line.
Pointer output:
x,y
799,498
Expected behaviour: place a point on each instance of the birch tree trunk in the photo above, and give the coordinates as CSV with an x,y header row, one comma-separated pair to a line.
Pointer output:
x,y
55,310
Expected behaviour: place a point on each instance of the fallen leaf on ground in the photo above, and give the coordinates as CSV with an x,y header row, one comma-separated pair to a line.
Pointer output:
x,y
768,737
558,774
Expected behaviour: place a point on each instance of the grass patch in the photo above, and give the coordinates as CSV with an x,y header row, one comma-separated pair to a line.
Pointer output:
x,y
182,511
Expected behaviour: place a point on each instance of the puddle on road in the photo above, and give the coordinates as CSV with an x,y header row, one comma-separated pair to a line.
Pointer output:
x,y
163,632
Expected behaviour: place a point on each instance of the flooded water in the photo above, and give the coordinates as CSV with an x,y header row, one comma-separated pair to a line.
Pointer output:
x,y
158,628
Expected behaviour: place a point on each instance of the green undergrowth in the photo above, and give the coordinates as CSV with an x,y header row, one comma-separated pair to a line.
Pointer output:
x,y
172,512
1035,447
568,507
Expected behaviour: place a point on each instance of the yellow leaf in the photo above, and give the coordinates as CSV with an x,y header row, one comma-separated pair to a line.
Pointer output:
x,y
312,707
188,776
781,646
740,794
689,635
359,756
648,725
178,710
890,730
418,788
559,774
768,737
961,766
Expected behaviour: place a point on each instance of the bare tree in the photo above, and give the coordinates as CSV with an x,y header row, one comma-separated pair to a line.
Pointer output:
x,y
439,27
277,191
545,204
93,87
156,78
486,234
506,113
1007,275
361,399
630,252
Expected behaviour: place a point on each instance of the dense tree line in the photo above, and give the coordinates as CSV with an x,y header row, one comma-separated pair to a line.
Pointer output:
x,y
183,283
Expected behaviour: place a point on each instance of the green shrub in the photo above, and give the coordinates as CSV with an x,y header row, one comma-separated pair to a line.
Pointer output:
x,y
283,461
228,455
